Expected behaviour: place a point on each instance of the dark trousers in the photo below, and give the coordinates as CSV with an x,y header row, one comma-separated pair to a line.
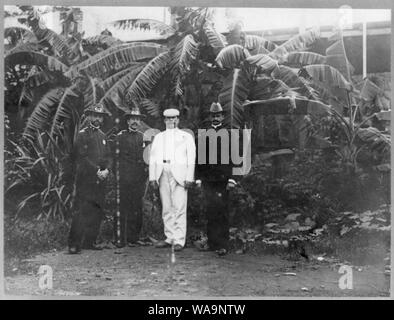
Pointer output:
x,y
130,212
216,197
85,225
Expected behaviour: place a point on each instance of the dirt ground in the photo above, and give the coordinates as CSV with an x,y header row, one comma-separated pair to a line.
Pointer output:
x,y
147,272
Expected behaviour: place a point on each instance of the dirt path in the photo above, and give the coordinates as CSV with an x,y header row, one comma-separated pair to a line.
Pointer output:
x,y
147,272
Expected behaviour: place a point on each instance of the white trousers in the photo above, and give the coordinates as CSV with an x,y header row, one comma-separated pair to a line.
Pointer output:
x,y
174,202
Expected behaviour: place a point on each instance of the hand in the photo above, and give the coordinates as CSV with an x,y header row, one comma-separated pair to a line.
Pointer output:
x,y
188,184
154,185
102,174
105,173
198,183
230,185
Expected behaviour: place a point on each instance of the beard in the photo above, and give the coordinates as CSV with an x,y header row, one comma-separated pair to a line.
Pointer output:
x,y
133,126
96,123
216,122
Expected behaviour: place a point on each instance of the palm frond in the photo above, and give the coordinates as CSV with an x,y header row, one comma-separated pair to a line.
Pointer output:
x,y
328,75
151,107
291,78
34,80
149,77
144,24
232,96
231,56
24,46
57,42
263,61
116,94
66,109
215,39
266,88
286,105
34,58
43,113
106,84
115,58
300,59
300,42
101,41
337,57
182,57
256,45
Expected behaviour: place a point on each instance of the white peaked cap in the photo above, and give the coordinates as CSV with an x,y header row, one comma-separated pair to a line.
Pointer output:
x,y
171,113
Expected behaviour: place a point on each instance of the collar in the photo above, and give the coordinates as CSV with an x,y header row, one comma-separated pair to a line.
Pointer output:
x,y
132,130
217,126
92,127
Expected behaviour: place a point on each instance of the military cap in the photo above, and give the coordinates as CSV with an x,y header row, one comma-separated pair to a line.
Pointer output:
x,y
215,107
171,112
97,108
135,112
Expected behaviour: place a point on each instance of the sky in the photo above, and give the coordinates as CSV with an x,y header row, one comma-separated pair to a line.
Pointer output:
x,y
253,19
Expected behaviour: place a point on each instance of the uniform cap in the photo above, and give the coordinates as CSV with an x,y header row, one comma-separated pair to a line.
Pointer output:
x,y
215,107
135,112
97,108
171,113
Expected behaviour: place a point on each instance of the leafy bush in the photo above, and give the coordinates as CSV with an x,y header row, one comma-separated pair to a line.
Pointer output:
x,y
39,171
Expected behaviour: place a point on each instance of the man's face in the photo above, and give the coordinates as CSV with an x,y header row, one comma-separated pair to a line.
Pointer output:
x,y
217,118
133,122
171,122
96,119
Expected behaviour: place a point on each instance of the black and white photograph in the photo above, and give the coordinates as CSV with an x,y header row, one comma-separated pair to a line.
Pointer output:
x,y
196,152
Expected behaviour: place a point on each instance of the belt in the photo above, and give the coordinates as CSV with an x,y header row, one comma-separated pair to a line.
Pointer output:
x,y
166,161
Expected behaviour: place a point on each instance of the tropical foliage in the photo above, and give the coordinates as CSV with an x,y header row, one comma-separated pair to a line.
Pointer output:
x,y
50,79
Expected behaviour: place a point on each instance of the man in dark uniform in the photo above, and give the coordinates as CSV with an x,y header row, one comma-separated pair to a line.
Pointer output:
x,y
91,161
217,180
131,173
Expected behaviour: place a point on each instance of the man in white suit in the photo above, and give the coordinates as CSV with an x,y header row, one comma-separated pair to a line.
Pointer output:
x,y
171,170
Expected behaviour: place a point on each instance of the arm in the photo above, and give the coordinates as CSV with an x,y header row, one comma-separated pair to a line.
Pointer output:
x,y
191,158
152,159
80,154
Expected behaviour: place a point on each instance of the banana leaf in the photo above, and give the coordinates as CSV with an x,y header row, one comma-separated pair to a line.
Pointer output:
x,y
231,56
182,57
114,58
116,94
300,59
148,78
43,113
66,109
263,61
300,42
215,39
232,96
35,59
144,24
328,75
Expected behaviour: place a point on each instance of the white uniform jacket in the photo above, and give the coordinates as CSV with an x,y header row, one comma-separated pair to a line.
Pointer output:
x,y
175,149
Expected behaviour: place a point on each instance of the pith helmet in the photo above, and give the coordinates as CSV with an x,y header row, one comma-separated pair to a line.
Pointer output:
x,y
96,109
215,107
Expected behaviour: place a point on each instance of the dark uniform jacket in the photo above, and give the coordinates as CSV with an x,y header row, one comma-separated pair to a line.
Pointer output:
x,y
219,172
132,168
91,153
